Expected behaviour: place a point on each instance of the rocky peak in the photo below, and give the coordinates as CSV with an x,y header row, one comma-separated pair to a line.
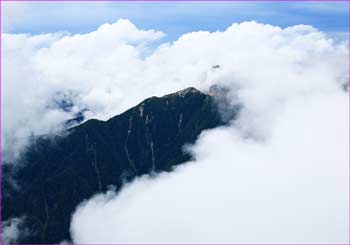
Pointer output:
x,y
185,92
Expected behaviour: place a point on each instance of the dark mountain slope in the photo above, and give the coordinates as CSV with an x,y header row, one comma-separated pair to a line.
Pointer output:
x,y
60,172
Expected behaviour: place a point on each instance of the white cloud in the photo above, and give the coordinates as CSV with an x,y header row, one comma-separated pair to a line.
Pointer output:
x,y
292,188
279,173
13,230
86,67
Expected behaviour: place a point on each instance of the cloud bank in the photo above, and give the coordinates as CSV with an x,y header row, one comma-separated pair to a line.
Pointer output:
x,y
290,189
278,174
44,72
111,69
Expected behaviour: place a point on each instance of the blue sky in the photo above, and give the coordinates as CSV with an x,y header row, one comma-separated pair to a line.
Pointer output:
x,y
173,18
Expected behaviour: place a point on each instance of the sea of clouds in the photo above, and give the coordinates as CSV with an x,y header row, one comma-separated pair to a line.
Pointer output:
x,y
278,174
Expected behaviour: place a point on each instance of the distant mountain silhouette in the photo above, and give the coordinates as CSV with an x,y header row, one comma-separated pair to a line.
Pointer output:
x,y
59,172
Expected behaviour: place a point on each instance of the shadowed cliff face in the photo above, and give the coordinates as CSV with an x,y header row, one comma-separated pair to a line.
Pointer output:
x,y
59,172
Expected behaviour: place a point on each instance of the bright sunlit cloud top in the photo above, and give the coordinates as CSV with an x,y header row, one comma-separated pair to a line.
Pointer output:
x,y
171,17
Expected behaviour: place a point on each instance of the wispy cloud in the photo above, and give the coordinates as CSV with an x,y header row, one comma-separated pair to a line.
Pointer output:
x,y
323,7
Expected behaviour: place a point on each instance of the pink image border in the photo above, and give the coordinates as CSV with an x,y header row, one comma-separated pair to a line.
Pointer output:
x,y
157,1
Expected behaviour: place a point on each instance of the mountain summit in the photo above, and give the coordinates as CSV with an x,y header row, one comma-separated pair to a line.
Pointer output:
x,y
59,172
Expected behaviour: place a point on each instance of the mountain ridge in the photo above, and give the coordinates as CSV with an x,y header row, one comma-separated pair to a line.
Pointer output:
x,y
59,173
